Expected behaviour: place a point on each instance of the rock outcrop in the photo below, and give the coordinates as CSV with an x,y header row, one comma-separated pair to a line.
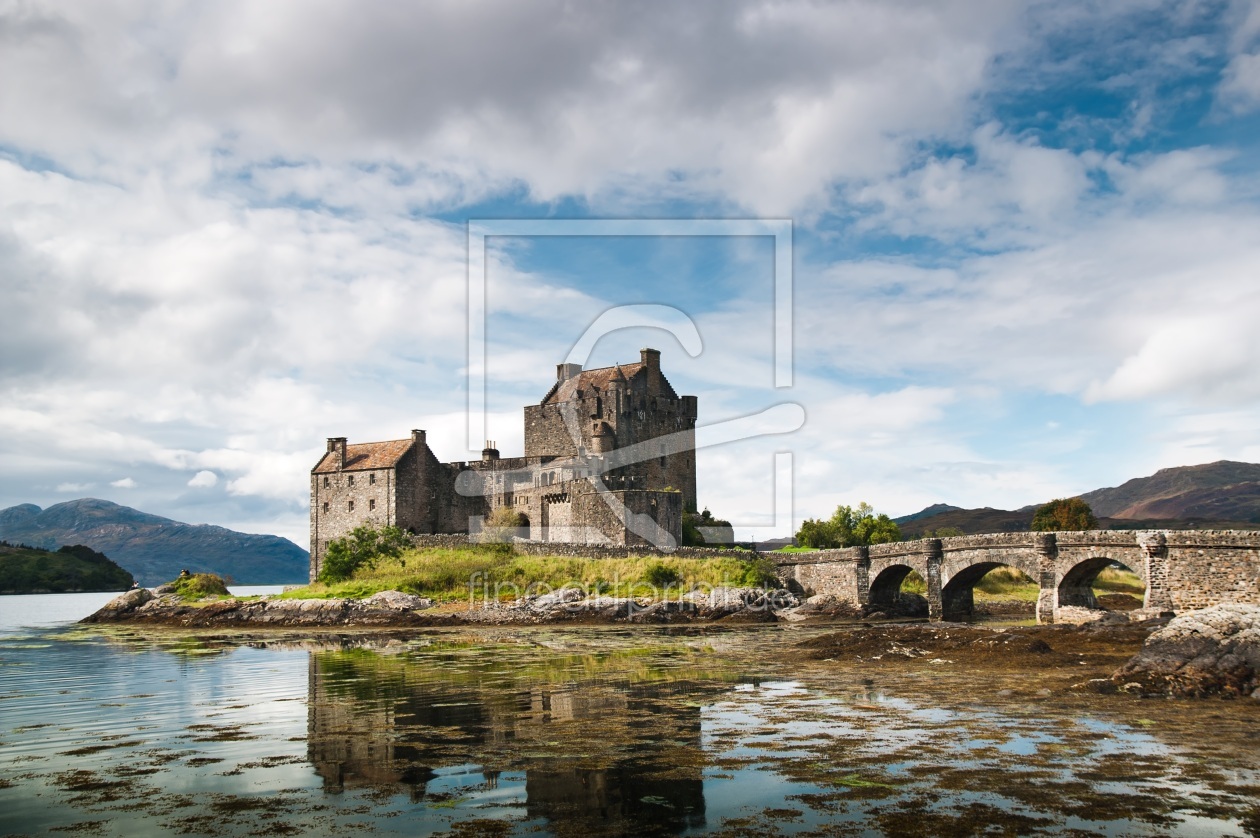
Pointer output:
x,y
396,609
121,606
1215,651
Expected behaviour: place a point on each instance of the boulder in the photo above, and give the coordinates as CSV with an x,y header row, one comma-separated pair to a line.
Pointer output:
x,y
120,606
1215,651
1074,615
665,611
398,601
823,605
555,599
718,603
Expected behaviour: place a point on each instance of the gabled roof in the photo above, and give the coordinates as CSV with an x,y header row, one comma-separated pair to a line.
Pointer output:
x,y
363,456
600,378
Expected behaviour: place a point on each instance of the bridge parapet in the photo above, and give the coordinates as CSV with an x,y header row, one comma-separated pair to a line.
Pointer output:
x,y
990,541
839,554
1181,569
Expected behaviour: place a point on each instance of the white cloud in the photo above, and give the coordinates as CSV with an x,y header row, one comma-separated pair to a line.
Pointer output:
x,y
1241,85
124,483
229,231
74,487
203,480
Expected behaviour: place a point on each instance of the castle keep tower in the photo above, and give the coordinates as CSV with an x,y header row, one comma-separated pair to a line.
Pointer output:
x,y
605,451
613,408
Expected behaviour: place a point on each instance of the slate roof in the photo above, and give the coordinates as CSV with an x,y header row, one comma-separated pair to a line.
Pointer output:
x,y
600,378
362,456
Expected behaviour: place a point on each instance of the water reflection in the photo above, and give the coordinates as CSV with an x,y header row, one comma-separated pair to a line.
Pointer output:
x,y
583,732
598,753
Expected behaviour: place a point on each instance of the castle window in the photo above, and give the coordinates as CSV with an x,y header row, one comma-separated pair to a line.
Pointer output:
x,y
371,504
325,482
372,479
350,480
350,507
325,506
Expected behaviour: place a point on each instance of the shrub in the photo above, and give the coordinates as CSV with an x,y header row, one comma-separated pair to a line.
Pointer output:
x,y
360,549
501,525
197,586
761,572
661,576
692,536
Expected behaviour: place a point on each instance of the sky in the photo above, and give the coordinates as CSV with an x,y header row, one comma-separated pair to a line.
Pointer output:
x,y
1024,240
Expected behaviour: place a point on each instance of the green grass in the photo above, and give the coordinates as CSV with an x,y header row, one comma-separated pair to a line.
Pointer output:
x,y
199,586
1119,580
790,549
914,584
494,571
1006,583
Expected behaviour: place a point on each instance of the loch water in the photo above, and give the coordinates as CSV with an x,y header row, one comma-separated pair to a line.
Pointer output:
x,y
579,731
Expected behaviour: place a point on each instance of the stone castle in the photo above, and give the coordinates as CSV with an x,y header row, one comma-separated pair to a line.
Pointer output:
x,y
609,459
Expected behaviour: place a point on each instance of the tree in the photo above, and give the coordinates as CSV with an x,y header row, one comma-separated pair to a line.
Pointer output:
x,y
501,525
693,537
849,527
361,548
1064,514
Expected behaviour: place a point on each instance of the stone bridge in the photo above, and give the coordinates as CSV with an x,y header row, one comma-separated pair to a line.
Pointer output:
x,y
1182,569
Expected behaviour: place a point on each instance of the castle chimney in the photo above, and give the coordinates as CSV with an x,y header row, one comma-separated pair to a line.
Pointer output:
x,y
566,371
651,359
337,445
417,437
489,453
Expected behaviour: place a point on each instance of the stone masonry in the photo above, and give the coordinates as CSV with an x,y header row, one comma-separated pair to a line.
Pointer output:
x,y
609,460
1182,569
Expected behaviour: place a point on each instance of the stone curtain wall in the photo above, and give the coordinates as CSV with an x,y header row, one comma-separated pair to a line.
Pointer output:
x,y
1181,569
588,551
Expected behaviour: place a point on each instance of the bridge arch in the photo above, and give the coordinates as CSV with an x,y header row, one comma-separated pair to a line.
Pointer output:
x,y
1075,585
958,592
886,586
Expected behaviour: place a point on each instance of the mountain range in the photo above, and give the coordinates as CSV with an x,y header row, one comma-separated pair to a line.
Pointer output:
x,y
1220,495
156,549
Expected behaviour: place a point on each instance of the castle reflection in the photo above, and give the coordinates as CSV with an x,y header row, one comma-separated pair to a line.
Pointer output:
x,y
603,743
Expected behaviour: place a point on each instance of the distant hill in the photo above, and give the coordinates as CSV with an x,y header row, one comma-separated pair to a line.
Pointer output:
x,y
73,569
982,520
933,510
153,548
1224,490
1221,495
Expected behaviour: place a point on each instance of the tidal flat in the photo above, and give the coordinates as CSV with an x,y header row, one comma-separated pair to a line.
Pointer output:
x,y
773,729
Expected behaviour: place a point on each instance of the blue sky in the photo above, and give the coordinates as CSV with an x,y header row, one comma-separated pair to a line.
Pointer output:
x,y
1026,238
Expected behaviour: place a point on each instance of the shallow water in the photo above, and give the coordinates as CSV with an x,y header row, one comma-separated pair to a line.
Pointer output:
x,y
582,731
34,611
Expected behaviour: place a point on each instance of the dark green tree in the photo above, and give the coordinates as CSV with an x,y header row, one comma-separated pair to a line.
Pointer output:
x,y
849,527
693,537
1064,514
361,548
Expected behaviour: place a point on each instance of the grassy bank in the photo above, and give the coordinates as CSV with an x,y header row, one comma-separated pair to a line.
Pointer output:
x,y
495,572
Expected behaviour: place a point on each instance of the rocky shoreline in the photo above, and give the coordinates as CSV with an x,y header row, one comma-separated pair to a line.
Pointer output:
x,y
1212,652
393,609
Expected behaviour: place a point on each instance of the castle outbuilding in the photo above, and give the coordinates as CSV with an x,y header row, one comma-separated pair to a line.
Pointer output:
x,y
609,459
